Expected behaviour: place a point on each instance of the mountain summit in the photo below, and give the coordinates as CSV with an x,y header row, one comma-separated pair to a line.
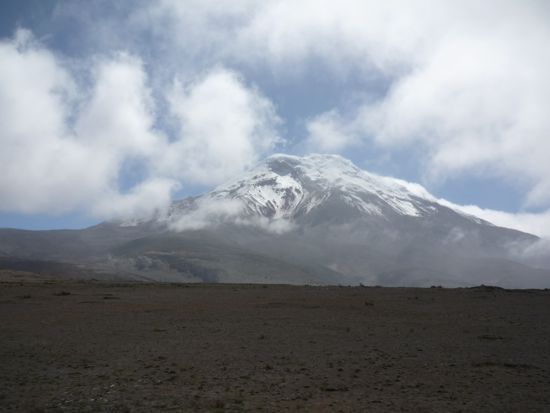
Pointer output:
x,y
317,189
317,219
290,187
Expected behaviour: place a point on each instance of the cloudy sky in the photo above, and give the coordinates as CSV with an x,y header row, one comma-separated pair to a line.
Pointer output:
x,y
111,109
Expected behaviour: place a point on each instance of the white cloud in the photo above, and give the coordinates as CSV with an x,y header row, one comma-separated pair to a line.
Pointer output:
x,y
467,80
52,164
224,128
211,212
196,27
468,83
532,223
66,147
327,133
34,94
534,253
142,200
474,92
119,115
207,213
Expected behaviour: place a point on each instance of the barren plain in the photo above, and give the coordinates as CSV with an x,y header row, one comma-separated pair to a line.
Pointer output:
x,y
104,347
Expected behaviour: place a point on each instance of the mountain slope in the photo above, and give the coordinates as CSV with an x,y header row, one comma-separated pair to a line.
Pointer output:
x,y
291,187
315,219
323,209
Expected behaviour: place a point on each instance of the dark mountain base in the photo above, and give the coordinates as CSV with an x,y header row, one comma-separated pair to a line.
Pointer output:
x,y
92,347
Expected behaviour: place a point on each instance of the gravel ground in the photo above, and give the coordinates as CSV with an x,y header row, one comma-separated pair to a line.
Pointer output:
x,y
99,347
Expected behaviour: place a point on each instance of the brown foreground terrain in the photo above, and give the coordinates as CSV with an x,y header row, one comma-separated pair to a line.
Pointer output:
x,y
99,347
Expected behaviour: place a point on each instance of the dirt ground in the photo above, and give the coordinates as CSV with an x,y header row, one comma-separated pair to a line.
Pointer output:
x,y
98,347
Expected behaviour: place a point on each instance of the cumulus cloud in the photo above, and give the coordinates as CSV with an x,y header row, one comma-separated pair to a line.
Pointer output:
x,y
532,223
472,91
327,133
66,147
33,97
51,164
224,127
141,201
467,80
210,212
207,213
119,115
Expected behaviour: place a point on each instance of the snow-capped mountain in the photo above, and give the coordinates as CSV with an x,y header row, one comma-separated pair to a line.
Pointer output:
x,y
323,209
285,187
316,219
289,186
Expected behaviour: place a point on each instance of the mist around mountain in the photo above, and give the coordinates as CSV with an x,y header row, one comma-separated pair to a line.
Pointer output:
x,y
317,219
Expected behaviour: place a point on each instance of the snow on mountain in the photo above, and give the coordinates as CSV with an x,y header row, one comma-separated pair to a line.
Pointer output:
x,y
315,219
286,187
